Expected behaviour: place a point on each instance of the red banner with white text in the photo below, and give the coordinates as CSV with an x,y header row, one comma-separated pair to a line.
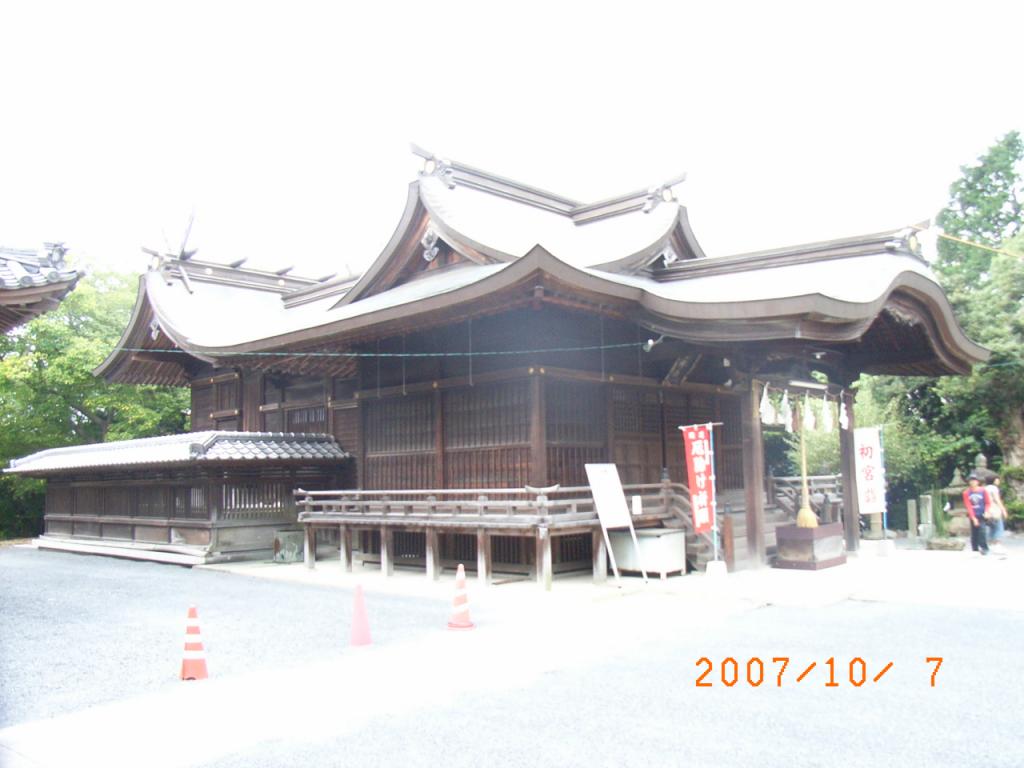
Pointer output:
x,y
700,474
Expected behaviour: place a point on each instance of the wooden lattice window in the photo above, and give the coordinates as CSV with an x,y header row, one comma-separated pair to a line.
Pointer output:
x,y
400,425
636,411
491,415
575,413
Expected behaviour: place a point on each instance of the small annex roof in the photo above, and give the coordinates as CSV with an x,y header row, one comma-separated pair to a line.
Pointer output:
x,y
189,448
32,282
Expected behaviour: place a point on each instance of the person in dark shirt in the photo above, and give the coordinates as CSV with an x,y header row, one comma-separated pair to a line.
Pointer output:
x,y
976,502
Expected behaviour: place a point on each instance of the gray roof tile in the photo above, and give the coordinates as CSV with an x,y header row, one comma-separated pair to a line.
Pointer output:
x,y
192,447
21,268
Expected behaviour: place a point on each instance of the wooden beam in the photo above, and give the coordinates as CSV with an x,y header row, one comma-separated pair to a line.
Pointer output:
x,y
544,567
600,556
309,547
433,554
483,557
157,356
439,439
851,510
252,396
345,548
538,437
728,544
753,473
387,549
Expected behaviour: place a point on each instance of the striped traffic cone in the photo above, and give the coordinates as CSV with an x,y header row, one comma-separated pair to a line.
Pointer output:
x,y
360,619
193,666
460,605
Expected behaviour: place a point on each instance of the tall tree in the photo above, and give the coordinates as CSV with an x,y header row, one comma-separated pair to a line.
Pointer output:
x,y
985,207
49,397
953,418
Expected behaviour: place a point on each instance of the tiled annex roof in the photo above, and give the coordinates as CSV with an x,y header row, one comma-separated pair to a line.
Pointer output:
x,y
187,448
32,283
27,269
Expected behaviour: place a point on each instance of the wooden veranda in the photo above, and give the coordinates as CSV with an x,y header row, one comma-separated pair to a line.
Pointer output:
x,y
530,532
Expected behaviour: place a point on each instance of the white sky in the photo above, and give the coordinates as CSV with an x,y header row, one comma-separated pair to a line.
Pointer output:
x,y
286,126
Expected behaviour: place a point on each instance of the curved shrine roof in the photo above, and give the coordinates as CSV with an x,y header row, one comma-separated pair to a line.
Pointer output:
x,y
466,235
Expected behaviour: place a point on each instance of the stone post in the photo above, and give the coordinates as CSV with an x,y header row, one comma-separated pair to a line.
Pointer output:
x,y
927,529
911,518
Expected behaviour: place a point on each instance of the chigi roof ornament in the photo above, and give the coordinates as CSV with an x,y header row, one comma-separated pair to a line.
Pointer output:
x,y
662,194
435,166
453,173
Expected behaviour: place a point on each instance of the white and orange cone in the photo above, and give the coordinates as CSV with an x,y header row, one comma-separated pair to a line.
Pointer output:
x,y
193,666
460,604
360,619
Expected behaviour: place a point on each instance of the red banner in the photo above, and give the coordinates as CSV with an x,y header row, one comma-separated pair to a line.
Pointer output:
x,y
700,474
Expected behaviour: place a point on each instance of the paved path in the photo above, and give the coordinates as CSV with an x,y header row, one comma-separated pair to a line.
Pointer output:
x,y
583,676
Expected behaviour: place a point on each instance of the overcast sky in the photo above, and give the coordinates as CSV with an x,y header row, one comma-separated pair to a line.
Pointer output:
x,y
286,127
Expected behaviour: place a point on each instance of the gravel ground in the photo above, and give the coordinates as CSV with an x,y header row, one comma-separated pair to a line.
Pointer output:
x,y
611,683
640,706
80,630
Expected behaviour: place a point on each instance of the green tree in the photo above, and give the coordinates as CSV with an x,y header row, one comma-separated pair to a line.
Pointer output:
x,y
945,421
985,207
49,397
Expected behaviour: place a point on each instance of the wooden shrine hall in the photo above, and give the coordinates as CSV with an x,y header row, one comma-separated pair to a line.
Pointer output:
x,y
504,338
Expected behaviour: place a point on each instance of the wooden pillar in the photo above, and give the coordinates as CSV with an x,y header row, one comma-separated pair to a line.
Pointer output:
x,y
538,436
753,473
345,548
433,554
251,391
728,543
439,480
309,547
851,510
483,557
544,567
600,556
387,549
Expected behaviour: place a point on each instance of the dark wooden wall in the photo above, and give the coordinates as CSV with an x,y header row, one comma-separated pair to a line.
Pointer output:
x,y
508,420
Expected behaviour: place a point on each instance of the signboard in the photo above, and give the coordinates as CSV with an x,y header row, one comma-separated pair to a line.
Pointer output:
x,y
870,470
701,474
612,511
609,498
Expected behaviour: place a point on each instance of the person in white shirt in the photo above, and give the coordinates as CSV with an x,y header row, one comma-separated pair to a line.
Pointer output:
x,y
995,515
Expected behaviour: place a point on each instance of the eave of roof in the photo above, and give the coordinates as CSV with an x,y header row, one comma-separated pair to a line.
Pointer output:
x,y
212,447
698,309
31,284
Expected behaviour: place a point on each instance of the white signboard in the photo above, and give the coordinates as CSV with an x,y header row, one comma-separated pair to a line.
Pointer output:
x,y
612,510
609,498
870,470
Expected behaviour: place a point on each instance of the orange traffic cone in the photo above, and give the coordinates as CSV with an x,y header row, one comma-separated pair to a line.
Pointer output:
x,y
360,621
460,604
193,666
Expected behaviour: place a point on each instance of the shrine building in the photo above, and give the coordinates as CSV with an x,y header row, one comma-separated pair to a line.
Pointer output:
x,y
441,406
